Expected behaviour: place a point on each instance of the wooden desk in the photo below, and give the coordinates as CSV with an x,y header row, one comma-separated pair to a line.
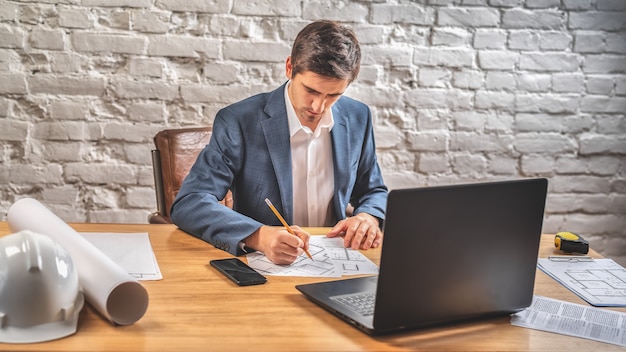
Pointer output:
x,y
196,308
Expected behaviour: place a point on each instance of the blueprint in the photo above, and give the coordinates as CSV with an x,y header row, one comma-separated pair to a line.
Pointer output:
x,y
330,259
600,282
351,262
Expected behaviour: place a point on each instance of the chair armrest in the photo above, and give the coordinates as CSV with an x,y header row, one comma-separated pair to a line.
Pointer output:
x,y
156,218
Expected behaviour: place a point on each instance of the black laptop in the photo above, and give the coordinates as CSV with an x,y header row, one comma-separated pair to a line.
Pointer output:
x,y
449,254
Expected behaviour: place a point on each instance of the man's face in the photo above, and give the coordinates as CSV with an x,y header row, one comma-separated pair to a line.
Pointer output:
x,y
312,95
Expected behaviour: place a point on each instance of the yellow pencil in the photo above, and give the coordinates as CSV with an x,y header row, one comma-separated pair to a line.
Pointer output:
x,y
282,220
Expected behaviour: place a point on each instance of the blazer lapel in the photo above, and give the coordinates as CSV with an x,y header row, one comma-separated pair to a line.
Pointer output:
x,y
340,136
276,131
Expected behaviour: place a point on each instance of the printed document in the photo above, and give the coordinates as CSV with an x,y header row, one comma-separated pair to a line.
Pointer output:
x,y
572,319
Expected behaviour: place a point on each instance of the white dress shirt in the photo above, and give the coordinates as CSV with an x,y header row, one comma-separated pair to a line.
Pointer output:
x,y
312,169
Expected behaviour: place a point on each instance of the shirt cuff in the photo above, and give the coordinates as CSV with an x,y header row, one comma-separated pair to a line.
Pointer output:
x,y
245,248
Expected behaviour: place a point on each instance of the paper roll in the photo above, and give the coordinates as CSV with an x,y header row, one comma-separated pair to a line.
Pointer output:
x,y
107,287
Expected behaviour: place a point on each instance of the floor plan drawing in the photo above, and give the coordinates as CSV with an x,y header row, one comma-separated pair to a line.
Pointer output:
x,y
350,261
330,259
600,282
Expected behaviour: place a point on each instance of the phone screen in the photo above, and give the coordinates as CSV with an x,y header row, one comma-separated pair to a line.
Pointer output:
x,y
238,271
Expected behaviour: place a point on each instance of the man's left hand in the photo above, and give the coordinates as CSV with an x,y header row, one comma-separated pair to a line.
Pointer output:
x,y
361,231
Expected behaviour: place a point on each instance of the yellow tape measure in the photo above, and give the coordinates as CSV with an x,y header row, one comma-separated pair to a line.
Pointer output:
x,y
571,243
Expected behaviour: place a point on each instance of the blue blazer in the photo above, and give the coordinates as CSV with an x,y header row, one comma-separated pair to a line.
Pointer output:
x,y
249,153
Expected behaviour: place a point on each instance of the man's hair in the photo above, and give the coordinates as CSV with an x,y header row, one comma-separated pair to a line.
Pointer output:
x,y
327,49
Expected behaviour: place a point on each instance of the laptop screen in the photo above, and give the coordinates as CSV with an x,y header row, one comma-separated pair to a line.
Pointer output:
x,y
451,252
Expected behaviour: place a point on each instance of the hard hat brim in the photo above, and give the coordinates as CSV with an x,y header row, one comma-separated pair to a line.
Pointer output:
x,y
44,332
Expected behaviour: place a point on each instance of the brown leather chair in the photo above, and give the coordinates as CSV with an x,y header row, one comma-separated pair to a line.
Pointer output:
x,y
176,151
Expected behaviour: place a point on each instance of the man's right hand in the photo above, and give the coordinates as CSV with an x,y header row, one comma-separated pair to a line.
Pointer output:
x,y
278,245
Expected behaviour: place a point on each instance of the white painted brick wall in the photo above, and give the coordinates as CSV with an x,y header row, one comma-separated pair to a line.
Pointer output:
x,y
461,91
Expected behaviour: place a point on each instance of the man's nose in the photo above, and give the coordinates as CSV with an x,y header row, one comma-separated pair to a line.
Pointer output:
x,y
318,105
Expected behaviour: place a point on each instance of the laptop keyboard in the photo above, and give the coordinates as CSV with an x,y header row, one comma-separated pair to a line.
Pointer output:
x,y
362,303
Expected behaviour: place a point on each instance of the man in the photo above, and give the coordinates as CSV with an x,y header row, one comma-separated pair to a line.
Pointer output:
x,y
305,147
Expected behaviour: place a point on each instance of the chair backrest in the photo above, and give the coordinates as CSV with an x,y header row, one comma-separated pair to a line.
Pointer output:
x,y
176,152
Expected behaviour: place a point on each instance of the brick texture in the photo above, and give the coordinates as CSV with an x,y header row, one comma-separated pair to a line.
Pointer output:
x,y
461,91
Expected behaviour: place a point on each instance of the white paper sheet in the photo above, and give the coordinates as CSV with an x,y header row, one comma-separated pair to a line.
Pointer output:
x,y
572,319
330,259
107,286
131,251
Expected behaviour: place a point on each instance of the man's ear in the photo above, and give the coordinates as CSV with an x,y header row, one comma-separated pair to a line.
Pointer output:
x,y
288,67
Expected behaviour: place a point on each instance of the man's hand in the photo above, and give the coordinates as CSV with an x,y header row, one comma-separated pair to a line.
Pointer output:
x,y
361,231
278,245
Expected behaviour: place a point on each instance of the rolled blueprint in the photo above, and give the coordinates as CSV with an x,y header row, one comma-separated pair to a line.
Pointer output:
x,y
108,288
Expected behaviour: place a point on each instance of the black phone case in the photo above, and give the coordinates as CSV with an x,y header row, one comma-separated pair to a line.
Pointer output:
x,y
238,272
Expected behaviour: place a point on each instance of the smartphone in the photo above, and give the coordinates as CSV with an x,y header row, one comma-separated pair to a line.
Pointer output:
x,y
238,272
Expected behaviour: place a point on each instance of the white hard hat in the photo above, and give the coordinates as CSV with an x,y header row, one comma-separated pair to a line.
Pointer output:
x,y
40,297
